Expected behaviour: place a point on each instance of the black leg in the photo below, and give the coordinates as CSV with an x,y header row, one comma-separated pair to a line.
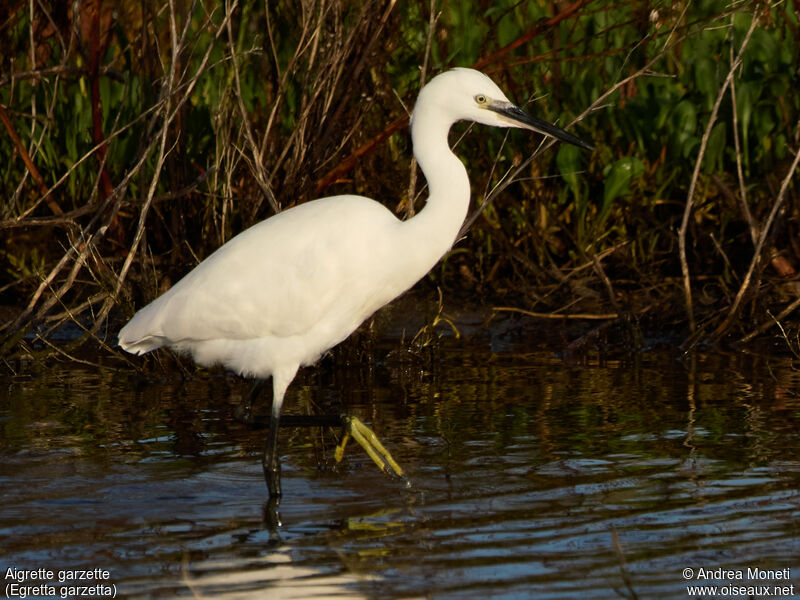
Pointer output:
x,y
271,460
272,520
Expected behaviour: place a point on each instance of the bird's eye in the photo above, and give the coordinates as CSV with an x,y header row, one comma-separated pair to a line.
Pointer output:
x,y
481,99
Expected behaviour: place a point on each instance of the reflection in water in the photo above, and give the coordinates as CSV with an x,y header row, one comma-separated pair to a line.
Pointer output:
x,y
531,476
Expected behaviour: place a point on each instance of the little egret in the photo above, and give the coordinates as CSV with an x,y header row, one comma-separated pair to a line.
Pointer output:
x,y
281,293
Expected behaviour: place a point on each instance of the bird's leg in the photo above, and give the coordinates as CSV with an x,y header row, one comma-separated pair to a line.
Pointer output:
x,y
272,519
369,441
271,461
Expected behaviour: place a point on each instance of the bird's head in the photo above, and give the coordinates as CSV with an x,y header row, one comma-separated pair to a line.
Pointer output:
x,y
469,95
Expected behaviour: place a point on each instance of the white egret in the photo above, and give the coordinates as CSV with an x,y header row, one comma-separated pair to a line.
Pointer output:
x,y
280,294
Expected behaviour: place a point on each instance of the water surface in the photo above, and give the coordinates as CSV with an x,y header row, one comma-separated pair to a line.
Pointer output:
x,y
530,475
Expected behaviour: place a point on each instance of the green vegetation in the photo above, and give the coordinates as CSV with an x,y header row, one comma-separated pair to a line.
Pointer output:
x,y
138,136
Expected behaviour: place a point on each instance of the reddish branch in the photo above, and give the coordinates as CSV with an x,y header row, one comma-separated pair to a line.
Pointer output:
x,y
98,44
348,163
26,158
529,35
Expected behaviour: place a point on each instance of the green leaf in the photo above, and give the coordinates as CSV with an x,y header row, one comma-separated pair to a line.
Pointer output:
x,y
746,98
618,181
568,162
684,118
705,76
684,126
715,150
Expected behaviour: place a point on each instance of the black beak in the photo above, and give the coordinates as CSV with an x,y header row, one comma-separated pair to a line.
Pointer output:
x,y
519,118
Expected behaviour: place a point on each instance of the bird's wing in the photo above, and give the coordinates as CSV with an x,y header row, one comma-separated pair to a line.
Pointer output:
x,y
308,266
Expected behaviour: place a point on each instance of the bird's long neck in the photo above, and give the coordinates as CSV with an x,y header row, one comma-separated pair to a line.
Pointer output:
x,y
432,232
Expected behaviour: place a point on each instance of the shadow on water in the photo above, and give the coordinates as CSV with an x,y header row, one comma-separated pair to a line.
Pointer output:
x,y
531,476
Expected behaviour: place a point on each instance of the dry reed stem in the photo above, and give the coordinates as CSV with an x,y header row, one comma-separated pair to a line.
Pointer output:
x,y
332,73
747,283
36,146
167,94
81,249
327,78
557,315
351,161
363,51
612,295
745,207
423,77
256,166
687,282
308,38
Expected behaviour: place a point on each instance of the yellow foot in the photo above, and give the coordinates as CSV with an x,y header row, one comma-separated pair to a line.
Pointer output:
x,y
370,442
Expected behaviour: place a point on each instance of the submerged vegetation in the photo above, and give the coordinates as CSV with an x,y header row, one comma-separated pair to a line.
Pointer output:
x,y
139,136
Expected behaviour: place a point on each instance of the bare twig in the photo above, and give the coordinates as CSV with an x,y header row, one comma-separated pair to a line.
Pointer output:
x,y
745,207
555,315
687,282
168,117
612,296
747,283
423,75
776,320
257,167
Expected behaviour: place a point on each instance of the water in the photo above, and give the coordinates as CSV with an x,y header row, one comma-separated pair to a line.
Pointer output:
x,y
531,475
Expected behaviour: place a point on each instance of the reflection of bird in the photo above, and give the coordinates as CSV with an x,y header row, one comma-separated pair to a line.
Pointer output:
x,y
281,293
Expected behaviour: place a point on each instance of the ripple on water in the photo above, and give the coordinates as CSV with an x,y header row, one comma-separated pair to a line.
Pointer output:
x,y
530,478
